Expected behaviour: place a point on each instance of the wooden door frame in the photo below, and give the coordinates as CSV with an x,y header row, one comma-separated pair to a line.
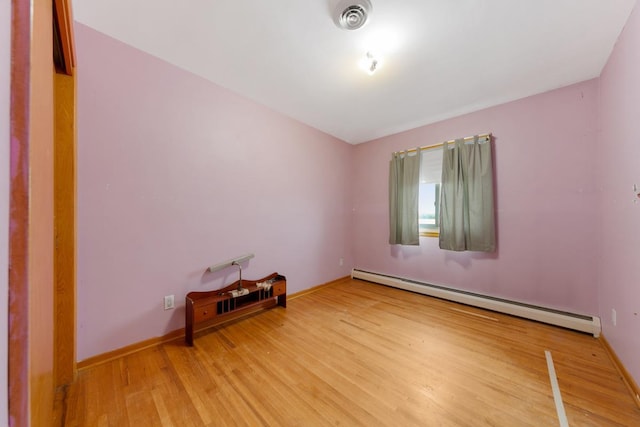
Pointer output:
x,y
21,388
64,196
19,215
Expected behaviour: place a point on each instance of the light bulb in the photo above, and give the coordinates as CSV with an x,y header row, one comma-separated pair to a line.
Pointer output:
x,y
370,63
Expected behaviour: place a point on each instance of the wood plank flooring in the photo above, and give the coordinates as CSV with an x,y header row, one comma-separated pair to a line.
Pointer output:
x,y
359,354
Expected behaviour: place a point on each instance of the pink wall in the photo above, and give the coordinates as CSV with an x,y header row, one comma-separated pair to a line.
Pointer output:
x,y
545,198
176,174
619,169
5,58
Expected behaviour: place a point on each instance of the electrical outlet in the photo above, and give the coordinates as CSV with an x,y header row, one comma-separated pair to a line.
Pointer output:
x,y
614,316
341,262
168,302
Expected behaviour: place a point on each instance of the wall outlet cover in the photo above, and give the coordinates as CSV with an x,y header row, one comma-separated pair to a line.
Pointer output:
x,y
169,302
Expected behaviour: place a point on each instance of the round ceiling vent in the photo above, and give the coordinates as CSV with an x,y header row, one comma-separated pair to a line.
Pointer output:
x,y
352,14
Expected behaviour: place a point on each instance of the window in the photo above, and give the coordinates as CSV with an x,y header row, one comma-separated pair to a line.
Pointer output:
x,y
429,197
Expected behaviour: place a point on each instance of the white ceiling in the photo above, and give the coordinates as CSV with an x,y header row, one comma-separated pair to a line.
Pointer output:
x,y
442,58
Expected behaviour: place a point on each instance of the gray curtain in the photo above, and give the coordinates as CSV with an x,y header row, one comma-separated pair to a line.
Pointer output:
x,y
466,204
404,181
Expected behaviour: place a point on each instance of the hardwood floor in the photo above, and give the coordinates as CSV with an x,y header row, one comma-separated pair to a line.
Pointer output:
x,y
359,354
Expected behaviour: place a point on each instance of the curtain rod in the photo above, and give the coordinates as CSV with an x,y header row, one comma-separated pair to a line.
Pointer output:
x,y
451,141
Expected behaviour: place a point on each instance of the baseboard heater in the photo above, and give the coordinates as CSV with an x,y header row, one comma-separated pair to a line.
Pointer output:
x,y
564,319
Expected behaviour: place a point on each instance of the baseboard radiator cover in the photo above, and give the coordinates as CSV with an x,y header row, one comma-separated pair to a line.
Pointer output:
x,y
577,322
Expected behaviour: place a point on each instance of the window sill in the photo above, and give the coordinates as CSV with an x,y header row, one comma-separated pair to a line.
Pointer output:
x,y
429,234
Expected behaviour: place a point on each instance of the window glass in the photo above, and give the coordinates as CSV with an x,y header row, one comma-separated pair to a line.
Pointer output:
x,y
429,198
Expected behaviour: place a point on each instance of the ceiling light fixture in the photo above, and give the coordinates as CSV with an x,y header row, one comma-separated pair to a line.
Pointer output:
x,y
370,63
352,14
